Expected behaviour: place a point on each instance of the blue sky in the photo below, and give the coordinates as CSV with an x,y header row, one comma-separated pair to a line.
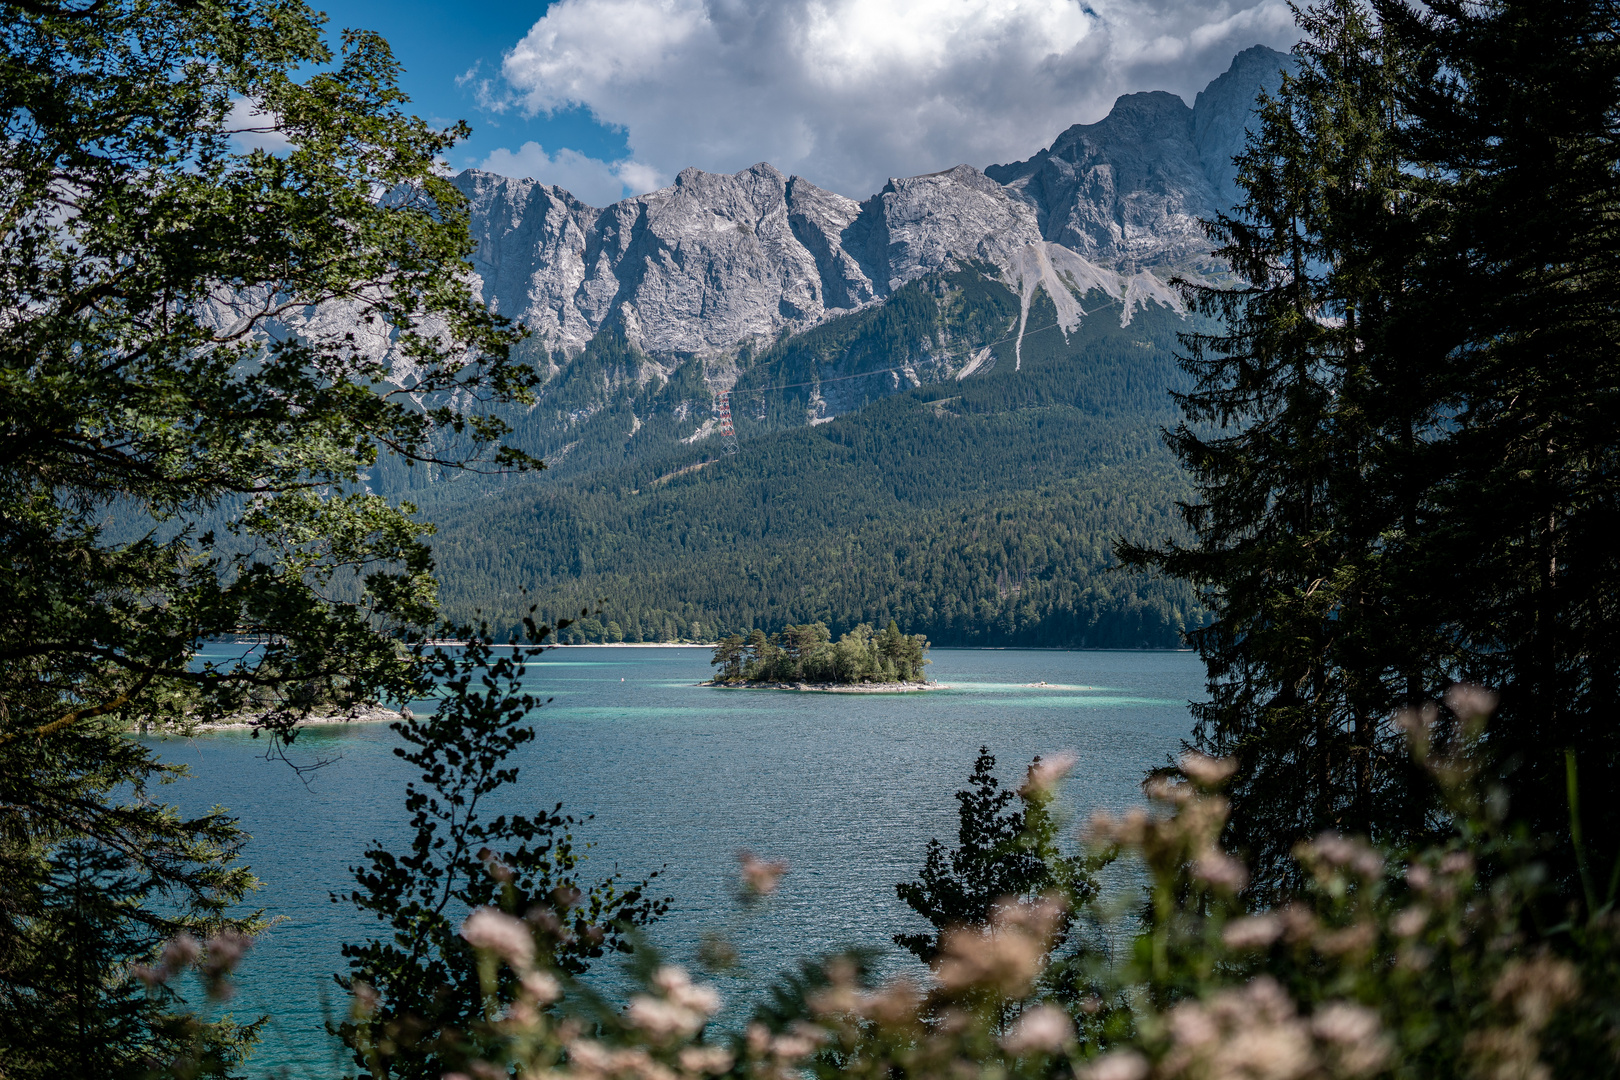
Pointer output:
x,y
609,98
439,42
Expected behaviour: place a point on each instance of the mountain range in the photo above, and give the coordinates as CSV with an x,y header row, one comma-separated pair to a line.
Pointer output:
x,y
714,262
1013,327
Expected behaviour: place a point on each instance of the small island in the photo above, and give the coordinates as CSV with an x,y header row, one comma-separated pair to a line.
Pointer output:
x,y
806,658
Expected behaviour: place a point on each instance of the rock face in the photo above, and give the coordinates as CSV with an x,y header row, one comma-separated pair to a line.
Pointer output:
x,y
713,262
1224,111
921,224
1128,188
1132,187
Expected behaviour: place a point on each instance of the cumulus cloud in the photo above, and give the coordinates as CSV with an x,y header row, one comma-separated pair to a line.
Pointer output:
x,y
591,180
850,92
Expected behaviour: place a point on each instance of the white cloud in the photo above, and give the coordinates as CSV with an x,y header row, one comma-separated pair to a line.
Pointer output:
x,y
638,178
850,92
252,129
596,182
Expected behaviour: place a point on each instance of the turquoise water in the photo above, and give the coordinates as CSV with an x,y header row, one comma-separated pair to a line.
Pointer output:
x,y
847,789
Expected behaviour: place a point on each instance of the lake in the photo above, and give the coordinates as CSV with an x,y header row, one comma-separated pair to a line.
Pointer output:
x,y
847,789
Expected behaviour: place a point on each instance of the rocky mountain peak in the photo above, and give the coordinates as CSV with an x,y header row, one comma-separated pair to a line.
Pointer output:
x,y
718,260
920,224
1224,110
715,260
1146,117
1127,189
1131,189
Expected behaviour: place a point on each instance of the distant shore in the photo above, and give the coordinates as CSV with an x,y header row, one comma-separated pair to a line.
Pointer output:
x,y
595,644
828,688
712,644
643,645
375,714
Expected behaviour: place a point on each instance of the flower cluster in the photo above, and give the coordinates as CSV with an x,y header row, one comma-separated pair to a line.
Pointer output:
x,y
1255,1032
214,962
653,1039
760,877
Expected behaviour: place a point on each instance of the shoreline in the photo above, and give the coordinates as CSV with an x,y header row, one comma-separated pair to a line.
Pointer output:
x,y
243,722
712,644
591,645
639,645
932,648
830,688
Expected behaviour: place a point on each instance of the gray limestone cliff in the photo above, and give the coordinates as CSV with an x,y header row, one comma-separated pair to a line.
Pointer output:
x,y
714,262
1132,188
1223,112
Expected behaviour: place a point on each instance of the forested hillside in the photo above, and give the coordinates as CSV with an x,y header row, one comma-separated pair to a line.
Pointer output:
x,y
611,404
980,511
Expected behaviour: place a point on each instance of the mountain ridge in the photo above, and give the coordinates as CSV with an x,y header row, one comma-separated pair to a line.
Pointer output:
x,y
716,261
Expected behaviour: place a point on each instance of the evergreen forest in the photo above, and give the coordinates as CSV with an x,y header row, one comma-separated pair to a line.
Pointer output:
x,y
976,512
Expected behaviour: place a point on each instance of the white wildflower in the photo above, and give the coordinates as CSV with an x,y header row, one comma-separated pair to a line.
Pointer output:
x,y
502,935
1252,932
760,876
1204,770
706,1059
664,1019
1045,1029
1117,1065
1221,871
1343,1022
542,987
1046,773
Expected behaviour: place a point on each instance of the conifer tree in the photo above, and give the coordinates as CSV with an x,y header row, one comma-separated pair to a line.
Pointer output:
x,y
418,987
1404,441
1006,852
1515,108
1300,446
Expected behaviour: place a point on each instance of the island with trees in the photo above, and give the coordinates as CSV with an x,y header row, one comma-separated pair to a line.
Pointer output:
x,y
806,658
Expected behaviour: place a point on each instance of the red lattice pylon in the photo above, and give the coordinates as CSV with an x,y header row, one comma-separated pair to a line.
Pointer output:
x,y
728,434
